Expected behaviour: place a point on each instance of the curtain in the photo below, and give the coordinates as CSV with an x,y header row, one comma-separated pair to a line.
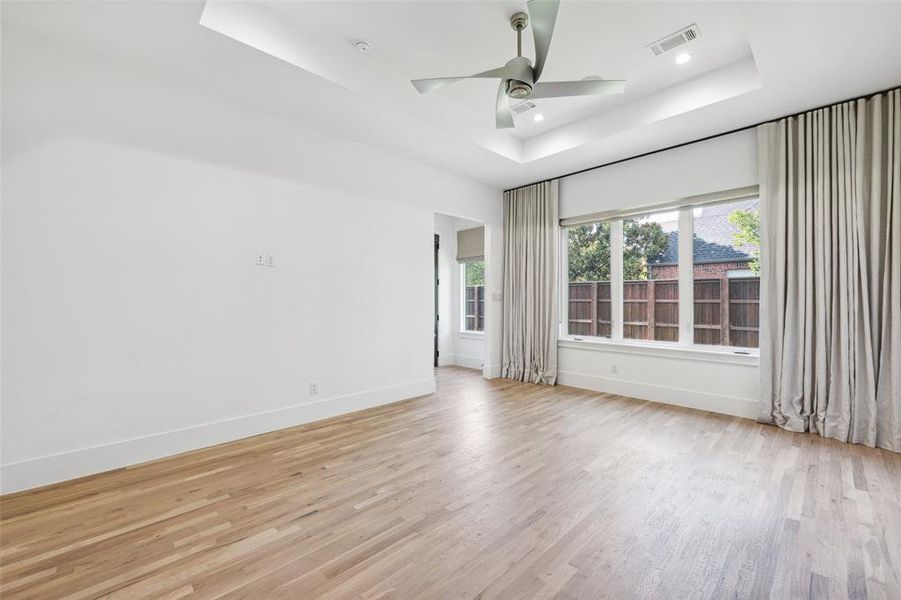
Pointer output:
x,y
830,191
531,242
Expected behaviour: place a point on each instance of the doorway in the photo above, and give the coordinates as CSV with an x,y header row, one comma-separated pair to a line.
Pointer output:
x,y
459,292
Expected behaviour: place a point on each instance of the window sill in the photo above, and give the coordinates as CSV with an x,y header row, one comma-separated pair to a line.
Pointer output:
x,y
663,350
472,335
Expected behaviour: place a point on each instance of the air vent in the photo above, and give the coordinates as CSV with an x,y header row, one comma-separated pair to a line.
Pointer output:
x,y
524,106
675,40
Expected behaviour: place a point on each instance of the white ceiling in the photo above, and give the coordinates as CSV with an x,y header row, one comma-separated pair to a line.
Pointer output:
x,y
414,40
430,39
754,61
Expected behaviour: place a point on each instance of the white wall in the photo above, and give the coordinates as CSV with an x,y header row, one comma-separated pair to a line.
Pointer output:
x,y
463,349
688,379
135,322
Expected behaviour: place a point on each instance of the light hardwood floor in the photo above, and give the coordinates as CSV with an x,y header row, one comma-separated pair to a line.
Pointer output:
x,y
482,490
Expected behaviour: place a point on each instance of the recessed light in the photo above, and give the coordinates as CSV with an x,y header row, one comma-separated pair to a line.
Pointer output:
x,y
538,117
683,58
363,46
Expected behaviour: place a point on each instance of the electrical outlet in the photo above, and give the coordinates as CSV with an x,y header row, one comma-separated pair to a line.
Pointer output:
x,y
314,387
261,259
614,368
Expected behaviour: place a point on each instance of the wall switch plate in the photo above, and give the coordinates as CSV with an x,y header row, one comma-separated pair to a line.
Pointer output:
x,y
270,260
496,296
614,368
314,387
261,259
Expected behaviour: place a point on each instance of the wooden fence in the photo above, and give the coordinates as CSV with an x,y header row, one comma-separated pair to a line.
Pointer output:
x,y
474,310
589,308
651,310
726,311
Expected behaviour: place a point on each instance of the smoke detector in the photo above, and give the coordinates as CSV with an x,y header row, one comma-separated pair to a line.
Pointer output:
x,y
674,40
363,46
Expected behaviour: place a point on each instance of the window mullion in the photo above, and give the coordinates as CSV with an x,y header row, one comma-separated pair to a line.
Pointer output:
x,y
616,280
462,292
686,277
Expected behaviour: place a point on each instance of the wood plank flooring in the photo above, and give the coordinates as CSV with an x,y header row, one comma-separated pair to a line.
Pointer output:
x,y
485,489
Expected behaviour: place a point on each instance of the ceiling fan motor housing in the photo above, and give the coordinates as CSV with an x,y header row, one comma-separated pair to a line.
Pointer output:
x,y
519,77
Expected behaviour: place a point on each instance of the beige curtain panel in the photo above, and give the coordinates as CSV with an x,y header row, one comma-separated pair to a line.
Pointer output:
x,y
471,244
830,191
531,240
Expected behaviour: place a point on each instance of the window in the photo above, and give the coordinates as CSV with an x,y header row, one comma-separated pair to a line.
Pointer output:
x,y
651,277
726,273
638,279
589,280
473,279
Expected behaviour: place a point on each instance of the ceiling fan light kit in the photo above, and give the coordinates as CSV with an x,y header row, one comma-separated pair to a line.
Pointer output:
x,y
520,77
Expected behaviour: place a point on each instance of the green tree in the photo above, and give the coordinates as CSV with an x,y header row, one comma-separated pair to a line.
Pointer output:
x,y
589,252
475,273
748,234
589,249
643,242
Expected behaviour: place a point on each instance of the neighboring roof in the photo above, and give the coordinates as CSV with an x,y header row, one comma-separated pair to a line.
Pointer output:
x,y
713,236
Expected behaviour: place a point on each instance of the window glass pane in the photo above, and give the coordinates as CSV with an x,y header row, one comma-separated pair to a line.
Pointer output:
x,y
589,280
474,295
727,274
651,277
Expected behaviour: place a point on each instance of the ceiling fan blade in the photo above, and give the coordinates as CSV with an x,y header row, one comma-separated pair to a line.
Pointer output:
x,y
503,117
562,89
427,85
543,16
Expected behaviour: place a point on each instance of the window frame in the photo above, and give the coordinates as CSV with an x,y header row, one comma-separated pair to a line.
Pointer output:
x,y
462,304
616,341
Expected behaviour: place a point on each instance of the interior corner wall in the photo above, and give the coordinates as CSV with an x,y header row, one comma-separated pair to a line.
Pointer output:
x,y
722,163
136,323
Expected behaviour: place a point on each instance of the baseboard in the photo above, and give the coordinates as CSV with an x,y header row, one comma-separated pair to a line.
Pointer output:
x,y
470,362
96,459
491,371
719,403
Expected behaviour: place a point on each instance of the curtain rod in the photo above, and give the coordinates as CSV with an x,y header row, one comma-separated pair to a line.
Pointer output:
x,y
704,139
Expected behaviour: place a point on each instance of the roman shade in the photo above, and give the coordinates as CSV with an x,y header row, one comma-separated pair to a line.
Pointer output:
x,y
471,244
741,193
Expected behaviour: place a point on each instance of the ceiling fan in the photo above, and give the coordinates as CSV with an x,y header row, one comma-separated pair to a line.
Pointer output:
x,y
519,78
